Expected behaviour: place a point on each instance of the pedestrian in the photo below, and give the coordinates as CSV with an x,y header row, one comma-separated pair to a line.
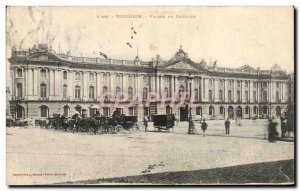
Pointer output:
x,y
146,119
283,126
227,126
191,125
204,127
272,132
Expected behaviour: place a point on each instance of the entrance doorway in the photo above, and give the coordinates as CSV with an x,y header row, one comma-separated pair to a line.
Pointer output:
x,y
184,112
230,112
239,112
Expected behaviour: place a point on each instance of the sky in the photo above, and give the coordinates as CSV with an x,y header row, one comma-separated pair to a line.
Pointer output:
x,y
233,36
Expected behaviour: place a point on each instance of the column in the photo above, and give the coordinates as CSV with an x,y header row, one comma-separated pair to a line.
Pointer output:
x,y
259,91
176,85
58,84
251,98
35,81
51,83
200,89
30,81
13,77
225,90
216,90
234,92
162,85
98,85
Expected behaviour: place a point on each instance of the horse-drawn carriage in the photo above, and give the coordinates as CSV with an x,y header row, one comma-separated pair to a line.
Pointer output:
x,y
163,121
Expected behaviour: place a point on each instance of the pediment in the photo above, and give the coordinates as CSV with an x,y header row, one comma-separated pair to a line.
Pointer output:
x,y
181,65
43,57
246,68
184,65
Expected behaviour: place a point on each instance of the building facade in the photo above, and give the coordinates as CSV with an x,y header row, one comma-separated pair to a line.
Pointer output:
x,y
44,83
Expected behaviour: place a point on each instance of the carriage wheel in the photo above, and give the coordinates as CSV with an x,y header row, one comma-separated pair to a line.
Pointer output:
x,y
119,128
136,126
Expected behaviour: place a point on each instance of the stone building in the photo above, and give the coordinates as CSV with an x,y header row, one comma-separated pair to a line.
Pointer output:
x,y
44,83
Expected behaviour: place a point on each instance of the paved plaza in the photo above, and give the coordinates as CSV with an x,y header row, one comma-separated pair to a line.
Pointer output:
x,y
42,156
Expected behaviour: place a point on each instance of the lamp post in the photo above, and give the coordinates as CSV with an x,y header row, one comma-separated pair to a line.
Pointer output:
x,y
190,78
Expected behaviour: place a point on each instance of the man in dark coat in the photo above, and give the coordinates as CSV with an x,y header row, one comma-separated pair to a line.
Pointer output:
x,y
204,127
272,132
227,126
191,126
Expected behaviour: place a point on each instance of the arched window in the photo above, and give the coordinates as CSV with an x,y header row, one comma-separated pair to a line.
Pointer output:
x,y
168,110
229,83
65,91
104,78
265,96
196,94
130,110
246,96
77,76
211,110
65,75
130,93
181,90
77,92
66,111
78,109
44,111
247,110
146,79
210,82
91,92
43,73
210,95
220,95
246,84
254,110
118,91
145,93
277,84
105,92
277,96
238,84
118,79
91,77
43,89
130,79
254,84
19,90
166,93
229,95
198,111
19,112
254,96
265,84
19,73
238,94
221,110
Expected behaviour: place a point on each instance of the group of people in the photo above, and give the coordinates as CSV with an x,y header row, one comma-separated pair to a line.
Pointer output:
x,y
204,126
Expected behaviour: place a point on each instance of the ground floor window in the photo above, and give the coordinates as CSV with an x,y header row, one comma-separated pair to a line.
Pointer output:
x,y
78,109
265,110
66,111
119,110
168,110
93,111
106,111
211,110
44,111
221,110
19,112
130,110
198,111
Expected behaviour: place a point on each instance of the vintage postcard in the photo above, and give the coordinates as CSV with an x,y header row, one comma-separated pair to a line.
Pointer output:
x,y
150,95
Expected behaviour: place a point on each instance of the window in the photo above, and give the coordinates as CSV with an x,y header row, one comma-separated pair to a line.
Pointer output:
x,y
265,110
130,93
65,75
145,93
19,90
43,73
254,96
210,82
230,83
255,110
118,91
166,93
210,95
229,95
104,78
198,111
247,110
238,84
277,96
168,110
105,92
77,92
145,79
221,95
220,83
277,84
91,92
77,76
181,91
19,73
19,112
65,90
130,79
246,84
196,94
221,110
265,96
43,89
106,111
265,84
130,110
238,94
91,77
254,84
66,111
44,111
211,110
118,79
78,109
246,96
